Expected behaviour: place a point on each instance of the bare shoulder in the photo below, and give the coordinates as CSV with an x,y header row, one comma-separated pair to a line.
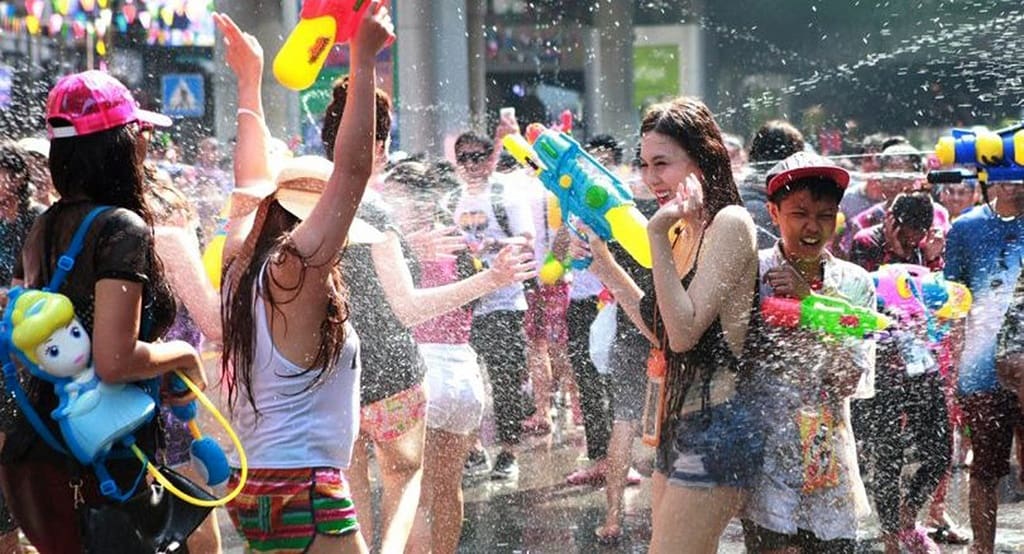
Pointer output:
x,y
732,231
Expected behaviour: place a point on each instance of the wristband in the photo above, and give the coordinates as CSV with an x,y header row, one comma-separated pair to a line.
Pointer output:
x,y
247,111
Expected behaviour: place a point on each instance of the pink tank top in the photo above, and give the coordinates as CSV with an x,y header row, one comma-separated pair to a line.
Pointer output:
x,y
452,327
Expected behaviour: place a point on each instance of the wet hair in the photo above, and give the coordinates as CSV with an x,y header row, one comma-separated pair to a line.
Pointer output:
x,y
872,144
332,116
894,140
775,140
689,123
913,210
104,167
269,243
15,160
819,187
607,143
469,138
901,151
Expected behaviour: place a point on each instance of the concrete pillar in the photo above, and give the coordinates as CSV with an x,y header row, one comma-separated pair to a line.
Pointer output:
x,y
269,21
476,20
433,64
608,73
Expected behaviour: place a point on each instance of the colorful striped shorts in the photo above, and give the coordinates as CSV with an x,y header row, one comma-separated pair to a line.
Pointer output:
x,y
283,510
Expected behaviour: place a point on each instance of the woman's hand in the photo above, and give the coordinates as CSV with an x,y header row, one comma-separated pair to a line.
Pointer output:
x,y
687,206
375,31
436,244
933,245
590,248
243,52
513,265
193,369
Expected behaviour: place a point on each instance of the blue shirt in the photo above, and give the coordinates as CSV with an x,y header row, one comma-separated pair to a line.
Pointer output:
x,y
984,252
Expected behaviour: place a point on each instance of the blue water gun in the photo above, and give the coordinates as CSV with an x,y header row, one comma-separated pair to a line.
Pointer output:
x,y
208,457
994,155
585,190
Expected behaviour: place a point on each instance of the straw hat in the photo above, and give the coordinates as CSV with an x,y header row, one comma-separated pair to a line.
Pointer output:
x,y
299,183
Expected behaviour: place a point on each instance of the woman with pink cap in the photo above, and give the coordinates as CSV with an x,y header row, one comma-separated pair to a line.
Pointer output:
x,y
99,138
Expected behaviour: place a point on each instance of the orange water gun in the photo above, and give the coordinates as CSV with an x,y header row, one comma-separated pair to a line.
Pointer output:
x,y
322,24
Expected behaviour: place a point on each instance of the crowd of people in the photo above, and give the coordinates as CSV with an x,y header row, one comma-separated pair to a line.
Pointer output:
x,y
368,307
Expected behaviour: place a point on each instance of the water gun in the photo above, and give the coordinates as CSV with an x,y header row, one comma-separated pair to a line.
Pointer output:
x,y
208,457
916,291
833,316
322,24
214,252
994,155
586,190
899,292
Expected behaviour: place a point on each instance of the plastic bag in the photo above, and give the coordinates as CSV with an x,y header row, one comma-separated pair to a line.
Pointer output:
x,y
602,335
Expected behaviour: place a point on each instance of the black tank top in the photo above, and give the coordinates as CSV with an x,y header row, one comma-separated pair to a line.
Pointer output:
x,y
711,354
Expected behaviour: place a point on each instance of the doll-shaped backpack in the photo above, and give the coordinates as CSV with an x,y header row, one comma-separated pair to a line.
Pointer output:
x,y
40,332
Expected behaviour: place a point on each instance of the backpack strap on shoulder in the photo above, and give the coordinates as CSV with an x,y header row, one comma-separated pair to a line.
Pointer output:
x,y
66,262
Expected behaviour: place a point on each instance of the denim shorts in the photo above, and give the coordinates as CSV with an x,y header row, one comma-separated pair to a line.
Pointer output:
x,y
719,446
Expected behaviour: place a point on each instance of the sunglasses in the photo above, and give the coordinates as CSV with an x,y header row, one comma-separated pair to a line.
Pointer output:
x,y
471,157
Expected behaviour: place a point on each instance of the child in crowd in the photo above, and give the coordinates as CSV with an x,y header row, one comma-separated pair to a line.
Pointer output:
x,y
808,494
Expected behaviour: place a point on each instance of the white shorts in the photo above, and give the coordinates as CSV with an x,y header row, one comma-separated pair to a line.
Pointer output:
x,y
455,388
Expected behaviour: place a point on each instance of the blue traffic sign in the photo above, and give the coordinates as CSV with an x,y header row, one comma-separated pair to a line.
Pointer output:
x,y
184,95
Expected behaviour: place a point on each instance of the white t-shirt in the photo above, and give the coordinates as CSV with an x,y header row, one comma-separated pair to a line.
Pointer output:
x,y
474,214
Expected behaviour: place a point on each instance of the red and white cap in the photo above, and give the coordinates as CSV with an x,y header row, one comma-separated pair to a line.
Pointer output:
x,y
94,101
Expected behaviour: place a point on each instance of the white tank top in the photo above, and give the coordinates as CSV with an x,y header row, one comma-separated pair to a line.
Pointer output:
x,y
298,427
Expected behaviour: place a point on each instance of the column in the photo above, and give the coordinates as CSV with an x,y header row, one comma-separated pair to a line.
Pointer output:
x,y
608,76
432,97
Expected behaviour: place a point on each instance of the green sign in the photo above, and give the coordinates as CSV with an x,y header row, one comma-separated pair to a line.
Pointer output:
x,y
314,100
655,73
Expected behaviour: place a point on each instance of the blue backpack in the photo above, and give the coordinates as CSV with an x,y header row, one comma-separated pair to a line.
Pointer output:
x,y
40,332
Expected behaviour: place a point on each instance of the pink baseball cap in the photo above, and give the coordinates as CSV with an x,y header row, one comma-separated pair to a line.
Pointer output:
x,y
93,101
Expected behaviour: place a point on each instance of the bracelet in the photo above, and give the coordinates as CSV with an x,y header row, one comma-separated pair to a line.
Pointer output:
x,y
247,111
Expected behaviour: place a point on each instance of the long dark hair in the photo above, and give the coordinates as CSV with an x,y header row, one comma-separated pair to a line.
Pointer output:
x,y
690,124
103,167
269,241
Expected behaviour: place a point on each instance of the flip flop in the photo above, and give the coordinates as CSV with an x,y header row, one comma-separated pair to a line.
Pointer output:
x,y
608,535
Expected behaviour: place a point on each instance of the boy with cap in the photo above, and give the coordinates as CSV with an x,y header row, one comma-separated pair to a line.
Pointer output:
x,y
809,494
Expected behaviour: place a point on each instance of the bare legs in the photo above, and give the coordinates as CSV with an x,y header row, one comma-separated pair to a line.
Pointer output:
x,y
401,470
619,450
441,508
691,520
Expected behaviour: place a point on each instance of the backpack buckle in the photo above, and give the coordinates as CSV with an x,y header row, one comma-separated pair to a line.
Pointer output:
x,y
66,263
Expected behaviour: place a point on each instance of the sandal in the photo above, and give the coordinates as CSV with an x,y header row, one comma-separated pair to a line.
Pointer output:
x,y
593,475
608,535
944,534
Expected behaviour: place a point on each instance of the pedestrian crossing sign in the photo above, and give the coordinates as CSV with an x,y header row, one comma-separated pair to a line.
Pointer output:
x,y
184,95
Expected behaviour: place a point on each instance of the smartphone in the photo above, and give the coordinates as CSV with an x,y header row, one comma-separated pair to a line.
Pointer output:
x,y
507,113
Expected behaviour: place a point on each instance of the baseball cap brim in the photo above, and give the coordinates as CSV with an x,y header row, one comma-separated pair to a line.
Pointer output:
x,y
153,118
838,175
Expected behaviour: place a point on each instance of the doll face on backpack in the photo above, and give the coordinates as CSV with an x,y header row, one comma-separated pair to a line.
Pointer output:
x,y
67,352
